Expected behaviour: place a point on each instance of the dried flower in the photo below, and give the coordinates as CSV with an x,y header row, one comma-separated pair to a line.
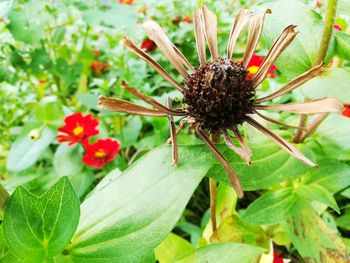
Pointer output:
x,y
101,152
77,129
254,65
148,45
218,97
346,111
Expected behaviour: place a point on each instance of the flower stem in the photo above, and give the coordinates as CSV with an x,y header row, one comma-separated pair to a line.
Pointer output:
x,y
212,190
327,30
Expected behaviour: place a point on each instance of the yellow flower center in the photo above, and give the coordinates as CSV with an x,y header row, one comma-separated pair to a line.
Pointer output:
x,y
78,130
100,153
253,69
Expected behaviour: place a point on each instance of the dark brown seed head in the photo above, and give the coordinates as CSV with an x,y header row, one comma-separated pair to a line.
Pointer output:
x,y
218,95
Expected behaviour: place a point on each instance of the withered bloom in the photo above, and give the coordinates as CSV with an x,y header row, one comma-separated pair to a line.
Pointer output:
x,y
218,96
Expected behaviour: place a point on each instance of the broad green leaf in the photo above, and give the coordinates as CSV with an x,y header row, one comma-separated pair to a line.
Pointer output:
x,y
271,165
273,207
173,248
68,159
130,131
336,128
38,228
344,221
343,44
27,21
301,54
233,229
25,151
313,239
333,176
315,192
129,217
81,182
224,253
333,82
49,112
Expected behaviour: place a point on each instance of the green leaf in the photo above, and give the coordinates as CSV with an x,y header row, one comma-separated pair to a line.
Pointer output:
x,y
38,228
315,192
68,160
224,253
27,22
301,54
333,82
313,239
173,248
271,165
233,229
333,176
273,207
344,221
343,44
143,204
24,151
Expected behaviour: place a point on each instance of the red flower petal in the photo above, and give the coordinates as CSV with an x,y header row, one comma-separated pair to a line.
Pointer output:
x,y
277,258
77,128
148,45
98,67
346,111
188,19
126,2
254,64
101,152
337,27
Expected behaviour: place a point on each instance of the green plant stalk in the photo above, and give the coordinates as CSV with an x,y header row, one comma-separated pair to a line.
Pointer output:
x,y
327,30
4,196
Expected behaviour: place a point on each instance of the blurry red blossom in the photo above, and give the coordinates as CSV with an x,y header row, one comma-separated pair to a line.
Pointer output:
x,y
254,64
148,45
77,129
277,258
346,111
177,20
319,3
126,2
97,52
98,67
188,19
42,81
337,27
101,152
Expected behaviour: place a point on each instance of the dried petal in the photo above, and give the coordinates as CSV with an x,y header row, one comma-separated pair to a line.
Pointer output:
x,y
200,35
211,31
243,153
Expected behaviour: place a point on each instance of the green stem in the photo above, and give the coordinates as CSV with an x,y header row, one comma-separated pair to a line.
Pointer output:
x,y
327,30
4,196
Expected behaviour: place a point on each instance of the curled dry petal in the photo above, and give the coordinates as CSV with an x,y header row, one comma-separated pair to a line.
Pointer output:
x,y
133,48
200,35
277,48
314,106
288,147
152,101
255,29
244,153
232,175
240,21
276,121
295,83
172,134
155,32
117,105
211,30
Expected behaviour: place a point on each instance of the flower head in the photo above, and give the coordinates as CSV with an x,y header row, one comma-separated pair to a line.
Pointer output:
x,y
77,129
254,65
188,19
101,152
126,2
98,67
277,258
337,27
148,45
217,94
346,111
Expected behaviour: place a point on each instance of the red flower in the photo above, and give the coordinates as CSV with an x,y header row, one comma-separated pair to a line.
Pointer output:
x,y
255,63
42,81
101,152
148,45
98,67
319,3
277,258
126,2
97,52
188,19
346,111
77,128
337,27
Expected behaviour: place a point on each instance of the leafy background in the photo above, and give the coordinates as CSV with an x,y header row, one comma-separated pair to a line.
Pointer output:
x,y
139,208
